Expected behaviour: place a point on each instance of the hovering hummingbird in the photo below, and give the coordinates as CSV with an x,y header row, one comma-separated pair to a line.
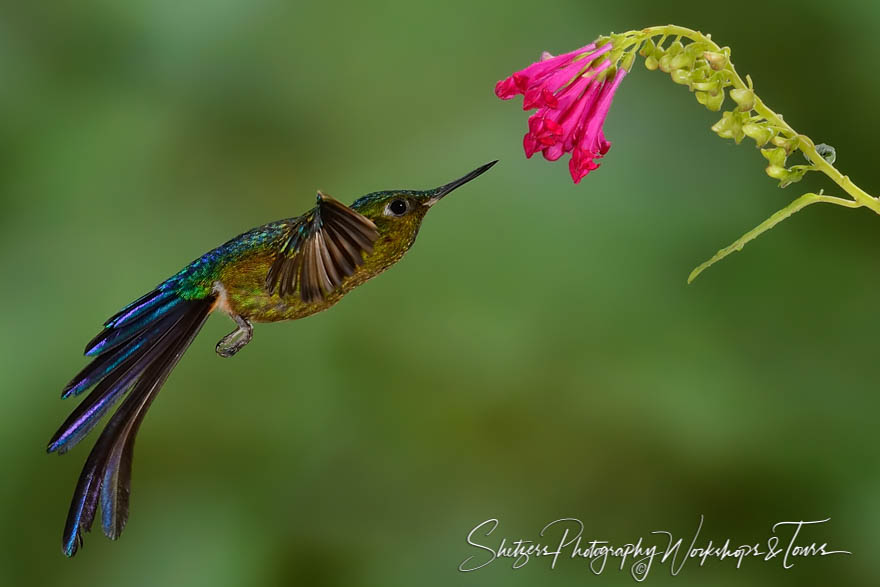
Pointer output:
x,y
283,270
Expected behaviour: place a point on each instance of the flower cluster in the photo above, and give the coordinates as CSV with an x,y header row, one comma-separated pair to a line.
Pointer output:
x,y
706,70
572,93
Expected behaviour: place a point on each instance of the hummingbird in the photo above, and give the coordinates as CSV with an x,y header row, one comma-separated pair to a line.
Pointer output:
x,y
283,270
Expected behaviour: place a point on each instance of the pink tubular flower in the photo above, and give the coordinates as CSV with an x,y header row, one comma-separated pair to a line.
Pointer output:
x,y
572,94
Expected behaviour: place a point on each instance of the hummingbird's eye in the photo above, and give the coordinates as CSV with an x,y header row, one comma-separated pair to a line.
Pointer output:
x,y
397,208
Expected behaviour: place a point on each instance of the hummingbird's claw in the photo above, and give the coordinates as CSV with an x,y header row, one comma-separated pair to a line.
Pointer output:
x,y
235,340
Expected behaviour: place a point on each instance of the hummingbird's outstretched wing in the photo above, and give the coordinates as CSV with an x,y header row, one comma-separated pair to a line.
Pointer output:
x,y
320,250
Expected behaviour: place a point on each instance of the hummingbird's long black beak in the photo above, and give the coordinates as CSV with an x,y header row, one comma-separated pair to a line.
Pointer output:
x,y
437,193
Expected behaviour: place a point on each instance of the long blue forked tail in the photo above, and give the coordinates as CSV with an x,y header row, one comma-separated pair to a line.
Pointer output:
x,y
134,354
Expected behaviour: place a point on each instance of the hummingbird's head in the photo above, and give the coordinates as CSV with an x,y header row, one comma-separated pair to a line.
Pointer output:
x,y
398,214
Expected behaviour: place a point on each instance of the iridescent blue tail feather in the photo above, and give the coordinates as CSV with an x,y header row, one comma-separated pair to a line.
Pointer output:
x,y
135,353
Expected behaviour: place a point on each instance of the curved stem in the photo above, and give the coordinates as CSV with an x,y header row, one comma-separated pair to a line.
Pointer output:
x,y
796,205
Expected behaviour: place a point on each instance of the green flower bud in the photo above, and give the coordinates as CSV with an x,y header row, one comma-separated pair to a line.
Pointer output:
x,y
712,86
730,126
666,60
777,172
744,97
793,144
681,76
722,127
651,63
702,72
785,176
716,61
648,48
760,134
776,156
695,51
723,122
714,102
659,51
681,61
789,144
794,175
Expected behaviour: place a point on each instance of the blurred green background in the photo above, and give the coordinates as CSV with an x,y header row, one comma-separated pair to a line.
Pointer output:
x,y
537,355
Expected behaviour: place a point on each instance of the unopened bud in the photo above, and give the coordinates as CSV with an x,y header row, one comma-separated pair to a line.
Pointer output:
x,y
723,132
665,61
794,175
760,134
776,157
744,97
702,73
789,144
651,63
714,102
681,76
785,176
716,60
695,50
705,86
730,126
723,123
682,60
777,172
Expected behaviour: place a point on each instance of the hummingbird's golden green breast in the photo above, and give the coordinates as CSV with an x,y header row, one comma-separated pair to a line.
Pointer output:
x,y
241,285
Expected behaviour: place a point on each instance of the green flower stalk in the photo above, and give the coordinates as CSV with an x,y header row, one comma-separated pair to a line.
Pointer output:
x,y
694,60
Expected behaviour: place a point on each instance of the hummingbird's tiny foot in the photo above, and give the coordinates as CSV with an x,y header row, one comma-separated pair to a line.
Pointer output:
x,y
235,340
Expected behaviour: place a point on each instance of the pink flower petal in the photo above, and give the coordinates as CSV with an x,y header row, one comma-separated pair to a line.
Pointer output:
x,y
580,167
530,145
598,113
518,82
571,104
553,152
506,88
